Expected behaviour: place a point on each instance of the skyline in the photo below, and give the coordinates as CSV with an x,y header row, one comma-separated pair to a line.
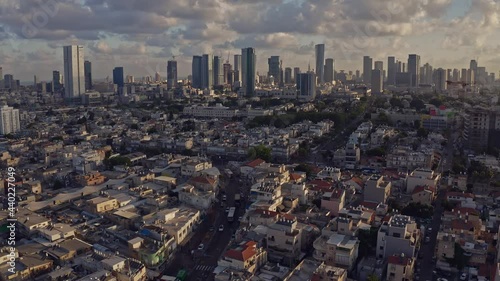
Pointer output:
x,y
445,33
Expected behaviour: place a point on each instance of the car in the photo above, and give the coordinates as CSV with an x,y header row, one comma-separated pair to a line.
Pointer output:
x,y
240,218
221,228
463,276
427,239
227,210
224,197
201,247
442,279
233,236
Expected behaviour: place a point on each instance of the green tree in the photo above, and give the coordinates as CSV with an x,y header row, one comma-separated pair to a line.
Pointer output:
x,y
379,151
418,104
261,151
372,277
422,133
134,126
418,210
437,102
395,102
304,168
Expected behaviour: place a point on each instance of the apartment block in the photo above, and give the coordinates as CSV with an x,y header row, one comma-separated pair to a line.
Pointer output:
x,y
422,177
397,236
377,190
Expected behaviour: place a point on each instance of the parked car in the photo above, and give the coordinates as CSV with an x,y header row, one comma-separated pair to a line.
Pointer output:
x,y
221,228
201,247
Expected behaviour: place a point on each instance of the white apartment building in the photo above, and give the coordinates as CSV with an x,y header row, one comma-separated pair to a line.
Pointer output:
x,y
217,111
284,240
9,122
398,236
422,177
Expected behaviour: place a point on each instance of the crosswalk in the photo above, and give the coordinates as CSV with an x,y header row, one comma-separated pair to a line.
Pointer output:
x,y
204,268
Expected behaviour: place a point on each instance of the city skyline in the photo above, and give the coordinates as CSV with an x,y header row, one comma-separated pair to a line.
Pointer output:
x,y
447,34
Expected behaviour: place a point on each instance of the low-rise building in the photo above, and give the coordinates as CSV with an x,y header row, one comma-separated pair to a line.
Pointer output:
x,y
246,255
400,268
333,201
377,190
424,194
422,177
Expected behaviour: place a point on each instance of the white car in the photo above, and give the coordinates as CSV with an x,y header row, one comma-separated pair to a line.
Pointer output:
x,y
201,246
463,276
221,228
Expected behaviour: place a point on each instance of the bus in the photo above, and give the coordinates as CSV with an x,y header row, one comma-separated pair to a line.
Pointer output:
x,y
230,215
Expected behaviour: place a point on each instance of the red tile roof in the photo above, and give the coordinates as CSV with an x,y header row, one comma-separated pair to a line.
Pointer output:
x,y
265,213
462,225
464,211
399,260
459,194
295,177
203,180
244,253
370,205
421,188
337,193
255,163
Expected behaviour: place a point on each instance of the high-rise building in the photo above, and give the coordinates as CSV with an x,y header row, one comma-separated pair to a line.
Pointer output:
x,y
207,71
87,66
414,69
320,63
367,69
379,65
473,65
130,79
35,82
158,77
456,75
218,71
196,72
358,75
118,77
296,72
377,81
171,74
237,68
463,75
426,74
9,120
228,79
391,70
329,70
288,75
306,85
2,84
274,68
74,75
471,76
56,81
248,61
441,78
9,82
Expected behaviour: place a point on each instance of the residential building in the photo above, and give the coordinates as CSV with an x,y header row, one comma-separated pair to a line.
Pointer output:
x,y
333,201
245,256
481,128
102,204
217,111
9,120
336,249
330,273
377,190
422,177
284,240
367,69
306,86
74,74
397,236
400,268
329,70
424,194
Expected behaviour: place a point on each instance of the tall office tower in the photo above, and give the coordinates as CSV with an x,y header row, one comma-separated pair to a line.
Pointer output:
x,y
471,76
426,74
248,60
288,75
399,66
118,77
414,69
171,74
306,85
237,68
130,79
377,81
456,75
329,70
367,69
157,77
56,81
207,71
463,75
87,66
449,72
274,68
358,75
441,78
9,82
74,75
2,83
35,82
473,65
403,67
379,65
218,71
320,63
196,72
227,73
296,72
481,75
391,70
9,120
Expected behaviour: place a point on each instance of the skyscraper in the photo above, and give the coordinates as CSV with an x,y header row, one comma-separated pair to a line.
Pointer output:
x,y
196,72
227,74
320,63
248,60
473,65
35,82
306,85
274,68
377,81
171,74
9,82
9,120
88,75
288,75
218,71
56,81
391,70
441,77
237,68
74,75
367,69
296,72
329,70
414,69
118,77
426,74
379,65
207,74
463,76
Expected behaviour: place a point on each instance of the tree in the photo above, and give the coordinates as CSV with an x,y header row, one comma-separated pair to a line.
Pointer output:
x,y
395,102
261,151
376,152
436,102
304,168
418,210
418,104
134,126
372,277
422,133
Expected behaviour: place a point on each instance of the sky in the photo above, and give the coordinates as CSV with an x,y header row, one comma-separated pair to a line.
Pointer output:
x,y
141,35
